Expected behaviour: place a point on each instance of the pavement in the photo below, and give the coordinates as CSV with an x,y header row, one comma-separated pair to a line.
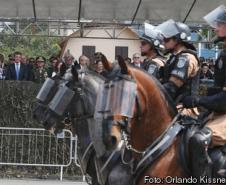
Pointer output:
x,y
38,182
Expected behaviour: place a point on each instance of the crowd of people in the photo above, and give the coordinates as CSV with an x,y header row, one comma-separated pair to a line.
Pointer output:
x,y
20,67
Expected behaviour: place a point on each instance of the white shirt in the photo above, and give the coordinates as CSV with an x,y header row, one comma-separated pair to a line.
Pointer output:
x,y
17,66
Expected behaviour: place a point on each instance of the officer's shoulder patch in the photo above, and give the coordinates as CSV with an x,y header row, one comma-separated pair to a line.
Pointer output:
x,y
152,68
181,61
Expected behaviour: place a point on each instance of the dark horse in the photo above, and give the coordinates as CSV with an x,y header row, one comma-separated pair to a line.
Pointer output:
x,y
135,104
78,114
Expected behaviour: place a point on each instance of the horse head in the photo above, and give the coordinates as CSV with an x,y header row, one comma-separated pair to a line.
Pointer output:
x,y
68,101
134,102
59,99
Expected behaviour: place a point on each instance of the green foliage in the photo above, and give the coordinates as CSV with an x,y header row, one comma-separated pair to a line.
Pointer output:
x,y
29,46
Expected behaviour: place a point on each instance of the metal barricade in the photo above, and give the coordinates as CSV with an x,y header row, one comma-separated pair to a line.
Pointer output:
x,y
37,147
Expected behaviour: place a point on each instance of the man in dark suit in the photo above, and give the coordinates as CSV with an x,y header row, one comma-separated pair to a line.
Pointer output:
x,y
137,60
17,70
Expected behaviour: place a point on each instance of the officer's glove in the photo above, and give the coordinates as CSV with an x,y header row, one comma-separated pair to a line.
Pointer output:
x,y
190,101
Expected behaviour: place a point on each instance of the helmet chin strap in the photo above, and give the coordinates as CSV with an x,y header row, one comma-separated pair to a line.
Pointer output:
x,y
167,51
172,50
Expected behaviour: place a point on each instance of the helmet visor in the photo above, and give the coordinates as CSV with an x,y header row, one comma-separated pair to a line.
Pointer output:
x,y
168,28
211,18
150,31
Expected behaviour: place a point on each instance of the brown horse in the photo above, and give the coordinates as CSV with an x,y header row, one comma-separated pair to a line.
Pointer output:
x,y
151,119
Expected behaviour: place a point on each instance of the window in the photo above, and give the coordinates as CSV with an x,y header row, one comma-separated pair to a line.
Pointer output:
x,y
122,51
89,52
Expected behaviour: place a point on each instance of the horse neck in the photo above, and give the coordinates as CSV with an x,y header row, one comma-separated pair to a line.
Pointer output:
x,y
86,103
155,117
82,107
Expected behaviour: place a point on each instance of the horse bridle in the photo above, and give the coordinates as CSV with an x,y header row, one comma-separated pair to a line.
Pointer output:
x,y
124,122
68,120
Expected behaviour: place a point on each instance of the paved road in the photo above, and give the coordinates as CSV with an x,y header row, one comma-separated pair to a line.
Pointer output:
x,y
38,182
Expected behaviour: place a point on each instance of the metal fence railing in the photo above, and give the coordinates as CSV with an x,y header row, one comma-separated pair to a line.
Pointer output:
x,y
37,147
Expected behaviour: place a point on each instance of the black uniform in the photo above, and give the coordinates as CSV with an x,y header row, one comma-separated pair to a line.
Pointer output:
x,y
217,99
177,66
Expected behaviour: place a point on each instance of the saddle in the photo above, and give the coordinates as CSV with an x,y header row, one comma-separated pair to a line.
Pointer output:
x,y
184,127
217,155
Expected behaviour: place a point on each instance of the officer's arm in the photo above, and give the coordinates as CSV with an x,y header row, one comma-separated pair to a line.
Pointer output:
x,y
214,90
179,75
216,102
186,67
173,85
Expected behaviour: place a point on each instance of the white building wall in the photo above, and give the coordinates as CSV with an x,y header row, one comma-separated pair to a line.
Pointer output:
x,y
106,46
125,38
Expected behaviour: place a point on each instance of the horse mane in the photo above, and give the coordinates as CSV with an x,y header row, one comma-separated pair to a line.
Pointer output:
x,y
169,101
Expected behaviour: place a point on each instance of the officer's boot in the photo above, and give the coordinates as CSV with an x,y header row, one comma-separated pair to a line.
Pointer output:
x,y
198,145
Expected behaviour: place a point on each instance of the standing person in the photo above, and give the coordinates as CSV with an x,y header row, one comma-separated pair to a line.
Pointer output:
x,y
30,67
205,73
150,48
17,70
53,68
83,62
10,59
2,67
181,72
137,60
213,133
40,71
24,59
69,61
99,67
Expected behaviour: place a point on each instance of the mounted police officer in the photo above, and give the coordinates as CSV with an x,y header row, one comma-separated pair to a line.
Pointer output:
x,y
181,72
213,134
150,47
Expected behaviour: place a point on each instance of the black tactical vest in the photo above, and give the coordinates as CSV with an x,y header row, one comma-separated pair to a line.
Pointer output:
x,y
220,70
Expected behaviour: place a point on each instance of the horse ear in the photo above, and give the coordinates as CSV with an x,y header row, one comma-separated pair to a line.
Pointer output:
x,y
62,69
74,73
122,64
101,57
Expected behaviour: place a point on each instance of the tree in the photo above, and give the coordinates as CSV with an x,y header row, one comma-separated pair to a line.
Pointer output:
x,y
29,46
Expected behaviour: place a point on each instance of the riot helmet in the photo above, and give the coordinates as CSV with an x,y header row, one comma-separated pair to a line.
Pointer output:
x,y
170,29
217,19
217,15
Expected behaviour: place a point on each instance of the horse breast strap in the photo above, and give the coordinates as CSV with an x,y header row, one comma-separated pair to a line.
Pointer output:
x,y
154,151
